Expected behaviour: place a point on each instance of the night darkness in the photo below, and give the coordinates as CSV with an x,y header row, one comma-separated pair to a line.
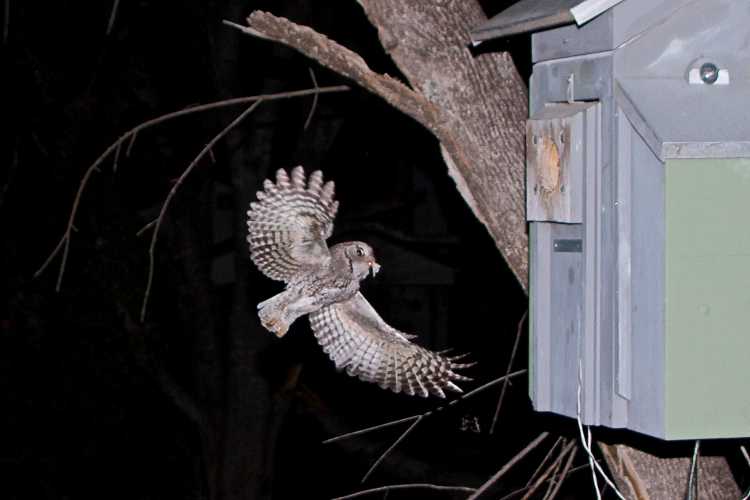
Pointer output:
x,y
198,401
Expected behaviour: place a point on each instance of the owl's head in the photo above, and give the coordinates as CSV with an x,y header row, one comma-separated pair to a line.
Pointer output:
x,y
361,259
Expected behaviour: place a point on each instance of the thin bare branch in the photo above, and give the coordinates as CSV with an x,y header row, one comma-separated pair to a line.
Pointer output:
x,y
146,227
469,394
552,470
519,329
551,482
416,419
526,488
369,429
130,137
112,16
559,480
544,461
391,448
423,486
131,143
65,240
173,191
505,468
315,100
117,157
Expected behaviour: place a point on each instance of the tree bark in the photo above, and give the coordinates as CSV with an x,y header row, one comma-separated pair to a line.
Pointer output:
x,y
480,127
477,107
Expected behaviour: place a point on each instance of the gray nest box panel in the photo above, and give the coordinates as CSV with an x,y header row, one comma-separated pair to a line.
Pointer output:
x,y
638,193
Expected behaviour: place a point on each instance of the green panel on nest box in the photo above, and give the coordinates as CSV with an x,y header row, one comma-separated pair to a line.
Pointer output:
x,y
707,298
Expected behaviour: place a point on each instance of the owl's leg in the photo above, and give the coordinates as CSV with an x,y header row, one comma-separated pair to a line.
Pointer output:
x,y
280,311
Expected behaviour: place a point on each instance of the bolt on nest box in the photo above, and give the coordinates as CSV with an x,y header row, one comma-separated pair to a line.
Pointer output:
x,y
638,195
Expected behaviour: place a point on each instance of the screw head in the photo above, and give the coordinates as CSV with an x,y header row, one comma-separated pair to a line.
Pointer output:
x,y
709,73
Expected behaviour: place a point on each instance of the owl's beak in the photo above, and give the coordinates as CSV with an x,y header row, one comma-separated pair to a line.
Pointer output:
x,y
374,267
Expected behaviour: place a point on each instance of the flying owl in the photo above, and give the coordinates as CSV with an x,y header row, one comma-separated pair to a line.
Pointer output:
x,y
288,227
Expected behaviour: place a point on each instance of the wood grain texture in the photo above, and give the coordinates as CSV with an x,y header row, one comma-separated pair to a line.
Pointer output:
x,y
483,102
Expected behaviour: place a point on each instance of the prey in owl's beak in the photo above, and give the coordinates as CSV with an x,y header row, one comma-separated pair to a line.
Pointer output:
x,y
374,267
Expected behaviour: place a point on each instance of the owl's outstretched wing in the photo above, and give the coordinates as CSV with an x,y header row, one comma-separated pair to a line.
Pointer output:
x,y
288,225
356,338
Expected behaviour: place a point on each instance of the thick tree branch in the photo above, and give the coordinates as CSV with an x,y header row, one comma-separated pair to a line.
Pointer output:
x,y
487,184
343,61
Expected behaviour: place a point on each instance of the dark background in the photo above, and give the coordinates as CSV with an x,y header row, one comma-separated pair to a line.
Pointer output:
x,y
199,401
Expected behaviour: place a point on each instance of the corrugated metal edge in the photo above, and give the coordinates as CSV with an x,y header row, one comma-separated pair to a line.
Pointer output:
x,y
490,30
588,10
579,14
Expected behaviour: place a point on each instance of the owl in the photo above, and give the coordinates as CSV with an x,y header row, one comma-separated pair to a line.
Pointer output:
x,y
287,231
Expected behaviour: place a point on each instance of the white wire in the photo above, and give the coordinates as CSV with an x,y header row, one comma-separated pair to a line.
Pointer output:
x,y
587,446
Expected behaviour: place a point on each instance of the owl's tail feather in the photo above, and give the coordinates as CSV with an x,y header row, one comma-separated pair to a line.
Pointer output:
x,y
274,314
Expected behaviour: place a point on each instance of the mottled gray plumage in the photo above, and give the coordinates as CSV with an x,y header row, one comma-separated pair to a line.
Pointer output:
x,y
288,226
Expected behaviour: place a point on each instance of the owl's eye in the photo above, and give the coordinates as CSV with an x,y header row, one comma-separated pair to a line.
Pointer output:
x,y
360,252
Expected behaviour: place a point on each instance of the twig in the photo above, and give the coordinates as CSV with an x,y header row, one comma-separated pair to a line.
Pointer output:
x,y
550,495
392,487
145,228
65,240
391,448
175,187
544,461
131,142
427,413
369,429
417,418
130,137
315,100
551,470
510,365
525,488
112,16
505,468
117,157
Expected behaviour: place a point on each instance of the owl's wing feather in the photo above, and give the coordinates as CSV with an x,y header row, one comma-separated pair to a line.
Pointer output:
x,y
289,224
357,339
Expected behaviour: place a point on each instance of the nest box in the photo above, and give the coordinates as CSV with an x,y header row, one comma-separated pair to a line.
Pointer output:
x,y
638,202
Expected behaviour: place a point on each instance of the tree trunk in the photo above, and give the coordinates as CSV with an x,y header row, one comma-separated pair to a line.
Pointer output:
x,y
476,107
